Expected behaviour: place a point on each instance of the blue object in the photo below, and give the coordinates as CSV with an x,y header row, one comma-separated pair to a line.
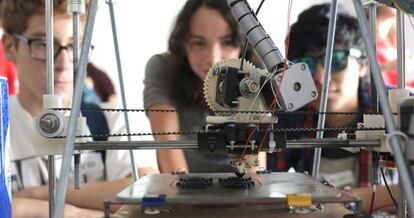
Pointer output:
x,y
5,174
154,201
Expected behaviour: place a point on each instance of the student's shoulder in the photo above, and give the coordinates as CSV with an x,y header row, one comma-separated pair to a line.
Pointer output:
x,y
13,101
16,109
165,60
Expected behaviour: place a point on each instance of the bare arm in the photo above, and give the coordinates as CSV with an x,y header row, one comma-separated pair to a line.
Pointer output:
x,y
382,198
142,171
90,195
26,207
169,160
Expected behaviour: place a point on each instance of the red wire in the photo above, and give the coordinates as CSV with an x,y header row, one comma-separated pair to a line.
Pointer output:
x,y
264,136
252,133
371,207
273,106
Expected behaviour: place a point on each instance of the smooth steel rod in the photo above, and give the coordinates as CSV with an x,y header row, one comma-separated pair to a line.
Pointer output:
x,y
76,41
402,209
51,185
395,144
76,52
401,48
290,144
325,86
75,112
372,14
50,85
121,85
50,89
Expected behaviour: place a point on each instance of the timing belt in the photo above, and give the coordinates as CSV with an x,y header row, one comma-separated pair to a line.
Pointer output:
x,y
327,129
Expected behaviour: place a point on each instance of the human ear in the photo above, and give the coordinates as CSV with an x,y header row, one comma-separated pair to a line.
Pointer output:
x,y
363,70
9,47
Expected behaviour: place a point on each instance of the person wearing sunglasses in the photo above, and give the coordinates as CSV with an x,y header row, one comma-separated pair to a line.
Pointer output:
x,y
348,92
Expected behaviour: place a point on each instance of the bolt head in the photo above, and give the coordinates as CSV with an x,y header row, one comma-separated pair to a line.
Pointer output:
x,y
303,66
297,86
278,78
253,86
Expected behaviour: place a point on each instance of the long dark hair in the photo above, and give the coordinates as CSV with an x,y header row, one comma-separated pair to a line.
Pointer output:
x,y
191,90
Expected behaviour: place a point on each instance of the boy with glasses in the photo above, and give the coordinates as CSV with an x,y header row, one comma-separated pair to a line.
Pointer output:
x,y
348,92
24,44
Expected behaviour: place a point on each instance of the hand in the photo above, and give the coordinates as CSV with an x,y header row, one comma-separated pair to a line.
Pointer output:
x,y
77,212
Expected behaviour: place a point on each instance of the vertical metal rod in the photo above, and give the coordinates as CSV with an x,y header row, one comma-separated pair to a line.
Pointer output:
x,y
402,209
49,48
401,48
75,111
51,170
50,89
76,161
372,13
402,204
76,52
121,82
76,41
325,85
404,174
107,205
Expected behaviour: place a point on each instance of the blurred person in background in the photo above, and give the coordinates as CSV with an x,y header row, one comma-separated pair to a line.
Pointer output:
x,y
204,34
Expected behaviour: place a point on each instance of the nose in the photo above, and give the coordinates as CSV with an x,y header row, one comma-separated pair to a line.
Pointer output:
x,y
63,61
318,75
214,54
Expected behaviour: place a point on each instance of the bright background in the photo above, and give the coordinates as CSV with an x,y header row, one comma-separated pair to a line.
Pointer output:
x,y
143,30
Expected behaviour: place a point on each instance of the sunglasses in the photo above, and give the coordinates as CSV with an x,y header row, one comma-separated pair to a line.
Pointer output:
x,y
339,60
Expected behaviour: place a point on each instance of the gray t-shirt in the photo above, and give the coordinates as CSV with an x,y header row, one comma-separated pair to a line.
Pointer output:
x,y
161,87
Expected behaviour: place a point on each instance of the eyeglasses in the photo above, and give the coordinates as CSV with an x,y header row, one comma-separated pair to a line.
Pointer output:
x,y
37,48
339,60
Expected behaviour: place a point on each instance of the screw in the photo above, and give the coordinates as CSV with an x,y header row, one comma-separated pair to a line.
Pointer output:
x,y
46,122
278,78
297,86
253,86
313,94
49,123
303,66
290,105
